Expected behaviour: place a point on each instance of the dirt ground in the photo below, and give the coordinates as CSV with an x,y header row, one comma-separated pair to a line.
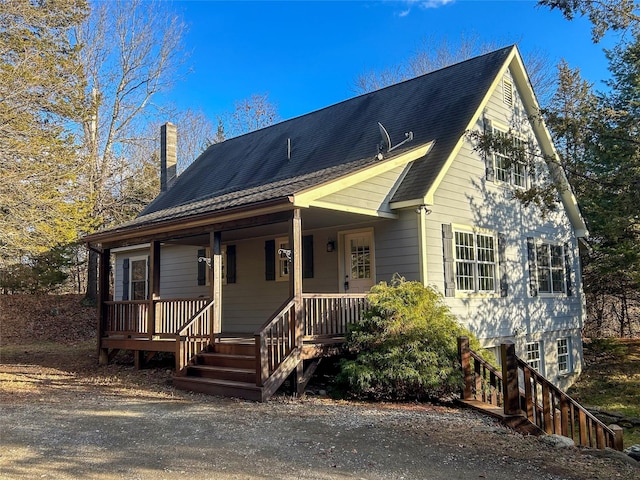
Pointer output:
x,y
64,417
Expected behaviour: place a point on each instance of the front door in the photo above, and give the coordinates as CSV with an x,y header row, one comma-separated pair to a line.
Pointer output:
x,y
358,262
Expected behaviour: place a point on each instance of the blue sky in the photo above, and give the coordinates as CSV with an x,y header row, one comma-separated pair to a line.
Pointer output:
x,y
306,55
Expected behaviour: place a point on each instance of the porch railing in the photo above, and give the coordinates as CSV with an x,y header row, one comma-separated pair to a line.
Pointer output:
x,y
128,318
275,341
194,335
330,314
521,390
131,318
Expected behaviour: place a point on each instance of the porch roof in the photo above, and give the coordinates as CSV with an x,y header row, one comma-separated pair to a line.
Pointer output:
x,y
281,160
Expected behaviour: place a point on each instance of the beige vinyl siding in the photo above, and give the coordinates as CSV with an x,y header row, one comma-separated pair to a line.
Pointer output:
x,y
178,268
372,194
489,205
179,272
249,302
397,249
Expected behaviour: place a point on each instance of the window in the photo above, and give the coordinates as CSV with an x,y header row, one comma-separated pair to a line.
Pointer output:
x,y
564,365
533,356
550,268
205,267
282,259
507,92
277,260
475,261
138,278
360,257
509,160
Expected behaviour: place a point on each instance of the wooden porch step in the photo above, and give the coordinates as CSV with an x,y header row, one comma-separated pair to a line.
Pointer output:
x,y
246,375
236,348
215,359
225,388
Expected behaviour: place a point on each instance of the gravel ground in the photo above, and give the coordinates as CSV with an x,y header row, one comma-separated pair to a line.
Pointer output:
x,y
64,417
78,427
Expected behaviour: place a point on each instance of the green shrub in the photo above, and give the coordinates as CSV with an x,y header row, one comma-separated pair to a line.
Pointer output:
x,y
405,347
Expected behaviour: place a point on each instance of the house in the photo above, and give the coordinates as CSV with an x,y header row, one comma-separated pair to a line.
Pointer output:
x,y
250,264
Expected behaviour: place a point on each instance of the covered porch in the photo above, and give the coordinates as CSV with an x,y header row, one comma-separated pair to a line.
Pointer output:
x,y
214,352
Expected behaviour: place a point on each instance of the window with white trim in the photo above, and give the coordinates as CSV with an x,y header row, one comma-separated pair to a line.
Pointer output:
x,y
475,261
282,260
550,268
533,356
138,276
564,361
509,158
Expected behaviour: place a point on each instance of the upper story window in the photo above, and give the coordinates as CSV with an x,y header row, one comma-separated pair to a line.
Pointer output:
x,y
550,268
509,158
475,261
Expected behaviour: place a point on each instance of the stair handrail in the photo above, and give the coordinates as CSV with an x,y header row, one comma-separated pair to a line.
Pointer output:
x,y
277,349
559,413
538,400
187,344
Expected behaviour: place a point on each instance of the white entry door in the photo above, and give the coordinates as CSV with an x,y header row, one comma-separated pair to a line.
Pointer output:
x,y
359,265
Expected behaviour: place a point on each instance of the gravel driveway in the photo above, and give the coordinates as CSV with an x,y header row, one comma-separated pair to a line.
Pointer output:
x,y
113,435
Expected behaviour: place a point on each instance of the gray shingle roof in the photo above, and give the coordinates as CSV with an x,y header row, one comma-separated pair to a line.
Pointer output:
x,y
333,141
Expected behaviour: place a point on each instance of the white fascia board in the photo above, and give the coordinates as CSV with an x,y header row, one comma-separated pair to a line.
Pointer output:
x,y
352,209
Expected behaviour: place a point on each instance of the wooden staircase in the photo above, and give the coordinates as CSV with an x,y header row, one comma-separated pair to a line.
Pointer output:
x,y
227,369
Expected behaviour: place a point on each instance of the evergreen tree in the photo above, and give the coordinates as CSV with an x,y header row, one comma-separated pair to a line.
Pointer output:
x,y
40,92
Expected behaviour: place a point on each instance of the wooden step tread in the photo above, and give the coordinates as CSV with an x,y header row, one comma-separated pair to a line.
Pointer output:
x,y
215,368
227,355
227,383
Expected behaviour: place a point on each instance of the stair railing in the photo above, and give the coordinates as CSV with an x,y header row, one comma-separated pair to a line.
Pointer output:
x,y
193,336
521,390
277,352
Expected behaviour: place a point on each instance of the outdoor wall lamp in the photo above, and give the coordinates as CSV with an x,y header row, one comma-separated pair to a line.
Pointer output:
x,y
331,246
286,253
205,259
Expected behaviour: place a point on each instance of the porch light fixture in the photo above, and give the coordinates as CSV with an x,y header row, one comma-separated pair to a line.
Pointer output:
x,y
331,246
205,259
286,253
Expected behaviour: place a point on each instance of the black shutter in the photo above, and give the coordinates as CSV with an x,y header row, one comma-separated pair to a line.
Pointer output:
x,y
449,272
533,270
270,260
125,279
202,267
230,266
567,269
307,256
502,258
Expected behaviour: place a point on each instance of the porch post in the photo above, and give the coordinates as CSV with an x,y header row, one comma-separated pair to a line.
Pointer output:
x,y
295,272
104,264
216,283
464,353
510,378
154,287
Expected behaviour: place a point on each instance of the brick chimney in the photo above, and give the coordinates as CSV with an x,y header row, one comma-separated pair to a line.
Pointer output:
x,y
168,156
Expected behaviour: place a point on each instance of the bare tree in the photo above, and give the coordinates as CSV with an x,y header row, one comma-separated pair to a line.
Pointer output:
x,y
132,50
434,54
251,114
